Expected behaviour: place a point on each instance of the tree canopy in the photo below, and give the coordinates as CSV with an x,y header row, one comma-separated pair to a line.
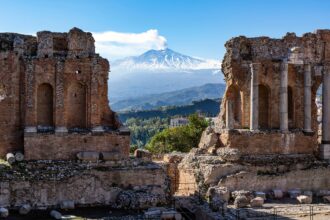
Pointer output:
x,y
178,138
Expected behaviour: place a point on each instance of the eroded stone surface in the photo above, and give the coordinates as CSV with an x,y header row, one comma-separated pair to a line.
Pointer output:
x,y
53,85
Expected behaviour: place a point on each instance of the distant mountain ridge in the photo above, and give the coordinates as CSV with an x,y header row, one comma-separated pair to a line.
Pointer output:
x,y
163,60
174,98
158,72
210,107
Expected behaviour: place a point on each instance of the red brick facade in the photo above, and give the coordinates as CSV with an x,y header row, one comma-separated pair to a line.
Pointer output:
x,y
56,84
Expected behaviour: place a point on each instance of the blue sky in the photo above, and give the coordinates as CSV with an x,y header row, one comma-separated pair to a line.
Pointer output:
x,y
193,27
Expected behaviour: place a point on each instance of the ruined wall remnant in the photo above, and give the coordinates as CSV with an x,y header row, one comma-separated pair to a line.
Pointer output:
x,y
271,91
54,83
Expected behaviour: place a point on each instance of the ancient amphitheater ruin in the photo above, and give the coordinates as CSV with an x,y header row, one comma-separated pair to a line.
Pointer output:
x,y
66,148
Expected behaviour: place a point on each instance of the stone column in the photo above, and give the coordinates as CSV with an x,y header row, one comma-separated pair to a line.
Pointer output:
x,y
254,96
307,98
284,96
30,112
229,115
95,118
325,146
60,122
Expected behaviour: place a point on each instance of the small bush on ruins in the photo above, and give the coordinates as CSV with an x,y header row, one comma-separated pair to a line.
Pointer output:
x,y
178,138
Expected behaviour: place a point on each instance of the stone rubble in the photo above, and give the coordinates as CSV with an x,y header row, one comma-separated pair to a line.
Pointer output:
x,y
55,214
4,213
303,199
257,202
24,209
19,156
143,154
241,201
10,157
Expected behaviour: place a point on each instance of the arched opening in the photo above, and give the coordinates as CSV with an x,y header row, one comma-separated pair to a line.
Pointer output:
x,y
263,107
233,95
76,106
290,108
45,105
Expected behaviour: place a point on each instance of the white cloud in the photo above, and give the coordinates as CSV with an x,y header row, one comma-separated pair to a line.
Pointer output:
x,y
114,45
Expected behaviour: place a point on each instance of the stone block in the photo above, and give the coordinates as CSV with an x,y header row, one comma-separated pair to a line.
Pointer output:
x,y
19,156
302,199
111,156
24,209
257,202
245,193
91,156
277,193
55,214
10,158
143,154
241,202
4,213
221,193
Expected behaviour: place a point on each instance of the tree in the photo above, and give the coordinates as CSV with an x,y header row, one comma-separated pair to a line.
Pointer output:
x,y
179,138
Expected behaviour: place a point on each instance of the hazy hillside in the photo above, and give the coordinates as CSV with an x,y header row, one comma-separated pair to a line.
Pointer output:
x,y
210,107
175,98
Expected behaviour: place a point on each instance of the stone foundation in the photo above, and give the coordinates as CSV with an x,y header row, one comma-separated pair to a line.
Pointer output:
x,y
253,173
269,142
85,185
40,146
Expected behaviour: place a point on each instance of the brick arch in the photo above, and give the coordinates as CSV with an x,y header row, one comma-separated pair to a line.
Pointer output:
x,y
264,106
45,105
76,106
233,94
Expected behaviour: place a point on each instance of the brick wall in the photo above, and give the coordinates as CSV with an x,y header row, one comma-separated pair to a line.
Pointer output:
x,y
54,147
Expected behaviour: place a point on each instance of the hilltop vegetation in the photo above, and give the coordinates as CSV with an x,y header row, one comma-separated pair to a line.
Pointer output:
x,y
210,107
178,138
145,124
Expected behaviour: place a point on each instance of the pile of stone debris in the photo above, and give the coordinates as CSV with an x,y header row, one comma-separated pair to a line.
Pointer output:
x,y
16,168
220,197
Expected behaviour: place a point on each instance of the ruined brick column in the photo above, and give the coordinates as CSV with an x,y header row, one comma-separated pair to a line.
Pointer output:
x,y
95,105
254,95
60,124
30,118
307,98
325,146
284,96
229,115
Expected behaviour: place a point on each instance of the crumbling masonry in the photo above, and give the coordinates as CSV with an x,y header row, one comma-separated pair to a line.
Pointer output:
x,y
53,97
269,105
54,107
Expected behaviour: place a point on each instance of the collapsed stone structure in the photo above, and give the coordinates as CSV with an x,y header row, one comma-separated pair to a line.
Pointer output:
x,y
53,97
54,107
269,104
265,139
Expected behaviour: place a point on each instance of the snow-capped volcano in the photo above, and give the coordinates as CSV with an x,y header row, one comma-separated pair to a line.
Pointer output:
x,y
165,60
